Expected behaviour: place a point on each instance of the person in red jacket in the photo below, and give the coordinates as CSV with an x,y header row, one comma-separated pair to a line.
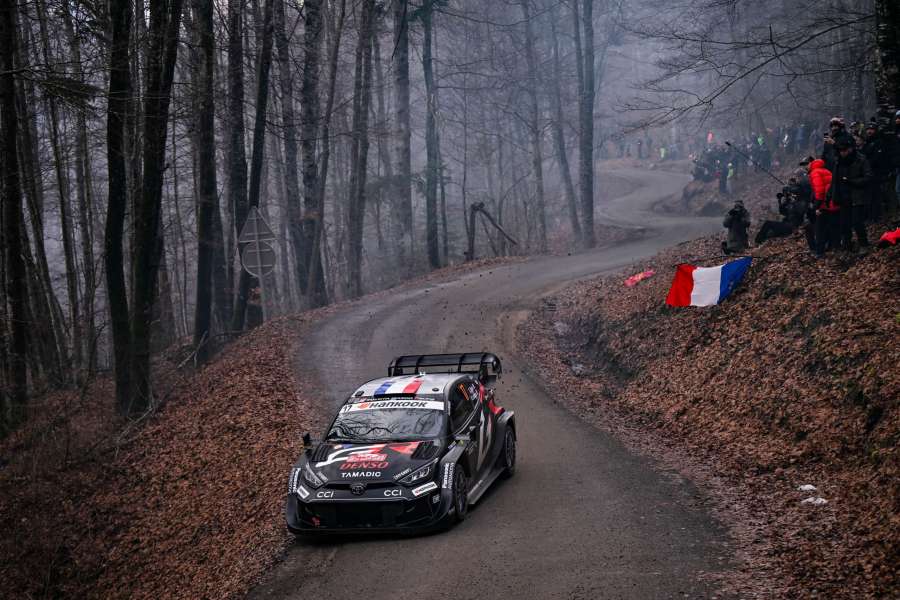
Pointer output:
x,y
827,224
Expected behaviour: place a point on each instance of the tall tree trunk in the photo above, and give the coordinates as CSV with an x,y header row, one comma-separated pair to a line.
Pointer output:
x,y
264,63
207,196
289,126
118,103
85,222
51,335
537,158
382,130
362,83
887,65
15,403
61,167
586,127
237,154
431,140
402,194
309,124
291,302
337,31
161,56
559,136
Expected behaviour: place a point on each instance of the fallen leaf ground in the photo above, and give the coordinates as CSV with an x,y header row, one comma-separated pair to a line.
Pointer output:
x,y
793,380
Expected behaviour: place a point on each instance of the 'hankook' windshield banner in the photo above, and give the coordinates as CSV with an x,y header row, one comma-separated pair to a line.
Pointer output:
x,y
384,404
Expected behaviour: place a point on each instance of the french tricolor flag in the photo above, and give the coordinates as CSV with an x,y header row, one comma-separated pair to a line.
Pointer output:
x,y
702,286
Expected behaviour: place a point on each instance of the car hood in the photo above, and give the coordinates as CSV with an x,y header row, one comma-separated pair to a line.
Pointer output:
x,y
342,463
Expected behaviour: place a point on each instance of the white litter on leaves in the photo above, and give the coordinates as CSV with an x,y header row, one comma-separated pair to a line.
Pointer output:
x,y
807,488
815,501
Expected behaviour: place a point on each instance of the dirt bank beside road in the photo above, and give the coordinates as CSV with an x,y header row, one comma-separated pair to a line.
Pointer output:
x,y
792,381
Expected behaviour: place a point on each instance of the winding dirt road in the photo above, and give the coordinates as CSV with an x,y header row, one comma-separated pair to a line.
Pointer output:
x,y
583,517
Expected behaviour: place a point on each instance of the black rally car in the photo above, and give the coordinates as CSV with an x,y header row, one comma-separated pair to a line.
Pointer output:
x,y
408,451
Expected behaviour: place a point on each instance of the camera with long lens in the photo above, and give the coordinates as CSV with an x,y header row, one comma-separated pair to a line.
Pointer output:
x,y
786,196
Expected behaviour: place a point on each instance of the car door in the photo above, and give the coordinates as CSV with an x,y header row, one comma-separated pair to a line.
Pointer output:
x,y
465,420
486,425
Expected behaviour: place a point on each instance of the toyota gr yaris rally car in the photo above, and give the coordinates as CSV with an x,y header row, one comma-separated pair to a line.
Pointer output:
x,y
406,452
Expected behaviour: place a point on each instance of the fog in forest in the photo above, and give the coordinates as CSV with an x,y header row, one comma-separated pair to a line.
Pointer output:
x,y
378,140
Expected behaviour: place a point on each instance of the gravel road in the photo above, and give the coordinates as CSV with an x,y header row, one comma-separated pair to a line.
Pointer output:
x,y
583,517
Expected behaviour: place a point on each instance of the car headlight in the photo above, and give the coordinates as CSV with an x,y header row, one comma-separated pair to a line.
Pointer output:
x,y
310,477
419,474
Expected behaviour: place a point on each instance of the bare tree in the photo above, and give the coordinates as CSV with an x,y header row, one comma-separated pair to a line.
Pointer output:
x,y
15,402
237,153
426,15
534,125
559,137
118,103
312,38
887,36
362,92
207,195
165,20
291,182
402,201
586,125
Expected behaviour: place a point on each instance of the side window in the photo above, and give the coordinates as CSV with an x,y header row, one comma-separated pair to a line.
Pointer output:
x,y
474,396
460,406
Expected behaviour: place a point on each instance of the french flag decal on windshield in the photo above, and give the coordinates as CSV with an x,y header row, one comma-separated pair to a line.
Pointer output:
x,y
383,388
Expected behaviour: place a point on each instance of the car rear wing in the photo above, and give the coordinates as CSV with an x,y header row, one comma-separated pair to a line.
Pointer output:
x,y
483,363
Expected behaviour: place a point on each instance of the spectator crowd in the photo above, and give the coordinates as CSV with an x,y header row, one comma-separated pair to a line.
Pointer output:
x,y
853,179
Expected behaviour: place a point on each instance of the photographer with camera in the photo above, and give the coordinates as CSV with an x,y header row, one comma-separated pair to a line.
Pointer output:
x,y
793,206
737,221
837,133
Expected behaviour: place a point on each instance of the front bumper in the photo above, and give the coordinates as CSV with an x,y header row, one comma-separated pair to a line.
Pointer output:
x,y
377,510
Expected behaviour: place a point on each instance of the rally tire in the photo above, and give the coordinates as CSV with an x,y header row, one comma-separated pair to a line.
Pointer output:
x,y
460,494
508,454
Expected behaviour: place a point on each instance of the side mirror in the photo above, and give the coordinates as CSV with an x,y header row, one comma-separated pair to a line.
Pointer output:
x,y
307,442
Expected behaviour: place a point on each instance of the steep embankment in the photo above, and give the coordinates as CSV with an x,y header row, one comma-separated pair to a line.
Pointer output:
x,y
793,380
186,504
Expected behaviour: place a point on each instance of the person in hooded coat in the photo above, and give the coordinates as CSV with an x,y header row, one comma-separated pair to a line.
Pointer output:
x,y
825,225
881,152
838,133
737,221
850,191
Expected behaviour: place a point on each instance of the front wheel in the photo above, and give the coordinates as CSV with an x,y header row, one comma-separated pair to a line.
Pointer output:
x,y
460,494
508,454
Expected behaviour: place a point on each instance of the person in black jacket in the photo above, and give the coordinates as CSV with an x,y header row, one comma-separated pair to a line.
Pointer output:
x,y
881,153
737,221
838,133
849,190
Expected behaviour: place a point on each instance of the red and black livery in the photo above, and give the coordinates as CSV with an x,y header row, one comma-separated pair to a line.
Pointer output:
x,y
407,452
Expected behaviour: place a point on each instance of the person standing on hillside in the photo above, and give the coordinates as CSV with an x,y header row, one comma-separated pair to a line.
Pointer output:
x,y
838,133
737,221
825,229
881,153
849,190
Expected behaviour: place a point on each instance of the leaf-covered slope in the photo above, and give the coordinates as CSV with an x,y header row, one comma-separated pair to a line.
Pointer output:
x,y
794,379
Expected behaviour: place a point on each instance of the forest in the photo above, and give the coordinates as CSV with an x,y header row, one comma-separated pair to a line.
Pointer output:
x,y
378,140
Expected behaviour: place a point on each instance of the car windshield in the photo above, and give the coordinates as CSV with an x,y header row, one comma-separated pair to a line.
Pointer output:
x,y
391,419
